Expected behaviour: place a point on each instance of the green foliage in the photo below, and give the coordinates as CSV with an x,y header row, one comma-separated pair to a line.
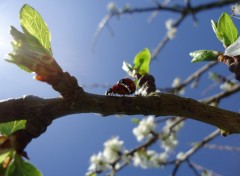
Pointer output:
x,y
225,29
3,156
20,167
33,45
204,55
32,22
9,127
142,61
135,121
26,50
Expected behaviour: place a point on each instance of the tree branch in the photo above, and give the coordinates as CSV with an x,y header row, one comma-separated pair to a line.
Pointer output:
x,y
161,104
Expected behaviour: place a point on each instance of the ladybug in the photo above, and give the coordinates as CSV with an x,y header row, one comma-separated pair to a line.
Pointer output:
x,y
129,84
125,86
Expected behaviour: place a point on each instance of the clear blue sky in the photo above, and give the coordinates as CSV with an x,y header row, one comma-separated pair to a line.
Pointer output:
x,y
69,142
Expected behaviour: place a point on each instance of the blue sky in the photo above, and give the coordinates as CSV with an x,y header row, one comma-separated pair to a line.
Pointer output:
x,y
69,142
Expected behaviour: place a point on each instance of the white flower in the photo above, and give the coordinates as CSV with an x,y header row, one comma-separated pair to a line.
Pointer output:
x,y
149,159
171,123
172,33
98,163
236,9
171,29
112,8
163,157
114,144
112,149
176,82
144,128
126,158
169,24
226,86
169,138
168,144
233,49
180,156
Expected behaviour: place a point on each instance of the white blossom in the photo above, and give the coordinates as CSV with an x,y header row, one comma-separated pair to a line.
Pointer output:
x,y
144,128
180,156
112,8
233,49
169,24
98,163
172,33
112,148
171,29
236,9
176,82
226,86
169,143
172,123
149,159
169,134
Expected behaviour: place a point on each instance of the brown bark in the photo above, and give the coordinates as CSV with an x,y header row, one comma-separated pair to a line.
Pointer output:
x,y
43,111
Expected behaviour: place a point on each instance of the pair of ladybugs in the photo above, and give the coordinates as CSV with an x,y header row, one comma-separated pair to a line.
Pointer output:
x,y
125,86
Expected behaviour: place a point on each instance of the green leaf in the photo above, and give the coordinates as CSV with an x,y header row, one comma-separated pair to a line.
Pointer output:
x,y
204,55
214,27
26,50
225,29
135,121
4,156
10,127
33,23
20,167
142,61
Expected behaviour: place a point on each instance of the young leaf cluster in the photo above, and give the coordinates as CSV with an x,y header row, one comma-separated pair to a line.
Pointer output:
x,y
141,63
227,34
225,30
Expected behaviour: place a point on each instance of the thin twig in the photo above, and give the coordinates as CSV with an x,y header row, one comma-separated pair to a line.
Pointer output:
x,y
196,75
202,169
222,147
165,39
100,27
184,11
223,94
192,166
193,150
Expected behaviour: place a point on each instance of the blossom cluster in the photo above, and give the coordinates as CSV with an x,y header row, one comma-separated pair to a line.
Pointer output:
x,y
103,160
114,156
149,159
144,128
169,133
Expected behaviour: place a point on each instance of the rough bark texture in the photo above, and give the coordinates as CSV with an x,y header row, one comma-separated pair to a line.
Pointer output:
x,y
43,111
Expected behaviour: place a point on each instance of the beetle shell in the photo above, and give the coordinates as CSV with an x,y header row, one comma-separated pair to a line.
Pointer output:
x,y
125,86
129,84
